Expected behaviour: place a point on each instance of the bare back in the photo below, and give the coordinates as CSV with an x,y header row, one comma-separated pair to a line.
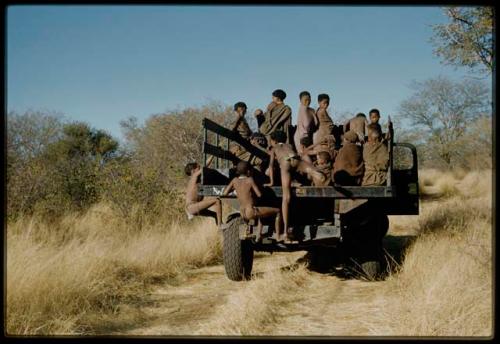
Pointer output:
x,y
192,190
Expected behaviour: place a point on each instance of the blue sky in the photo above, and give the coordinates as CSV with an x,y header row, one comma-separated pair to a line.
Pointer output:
x,y
102,64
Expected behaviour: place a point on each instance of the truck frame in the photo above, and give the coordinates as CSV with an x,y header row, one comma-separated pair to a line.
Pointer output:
x,y
344,223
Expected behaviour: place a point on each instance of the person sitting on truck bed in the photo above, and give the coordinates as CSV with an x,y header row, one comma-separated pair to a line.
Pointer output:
x,y
322,119
277,117
323,164
374,119
358,125
198,205
246,190
375,157
348,168
306,149
289,161
240,125
305,120
327,145
259,141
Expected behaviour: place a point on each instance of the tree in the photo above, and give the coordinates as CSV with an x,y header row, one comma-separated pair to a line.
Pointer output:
x,y
467,40
443,110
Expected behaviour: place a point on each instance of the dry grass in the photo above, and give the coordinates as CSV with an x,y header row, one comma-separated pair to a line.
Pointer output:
x,y
443,289
66,278
256,306
71,277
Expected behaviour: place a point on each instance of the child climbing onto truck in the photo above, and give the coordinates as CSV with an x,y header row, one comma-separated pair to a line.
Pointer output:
x,y
246,190
199,205
289,161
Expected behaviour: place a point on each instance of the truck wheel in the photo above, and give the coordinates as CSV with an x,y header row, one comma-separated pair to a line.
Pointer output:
x,y
237,254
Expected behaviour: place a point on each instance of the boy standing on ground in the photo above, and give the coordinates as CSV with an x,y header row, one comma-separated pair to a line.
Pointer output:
x,y
289,162
198,205
246,190
348,168
375,157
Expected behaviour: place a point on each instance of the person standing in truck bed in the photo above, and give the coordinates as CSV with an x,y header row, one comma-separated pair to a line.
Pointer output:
x,y
348,168
240,125
246,191
305,120
289,161
375,157
322,120
277,117
375,119
198,205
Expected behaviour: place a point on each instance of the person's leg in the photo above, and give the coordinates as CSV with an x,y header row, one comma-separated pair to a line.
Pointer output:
x,y
198,207
218,211
286,181
263,212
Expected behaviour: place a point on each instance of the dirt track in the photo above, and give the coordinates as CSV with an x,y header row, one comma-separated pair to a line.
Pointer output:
x,y
321,304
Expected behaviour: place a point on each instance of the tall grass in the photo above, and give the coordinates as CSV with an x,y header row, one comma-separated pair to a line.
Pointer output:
x,y
444,287
65,278
87,271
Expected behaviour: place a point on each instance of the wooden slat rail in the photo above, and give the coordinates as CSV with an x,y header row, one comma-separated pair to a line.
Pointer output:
x,y
233,136
219,152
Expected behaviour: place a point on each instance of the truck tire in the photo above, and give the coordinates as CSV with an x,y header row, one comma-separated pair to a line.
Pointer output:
x,y
237,254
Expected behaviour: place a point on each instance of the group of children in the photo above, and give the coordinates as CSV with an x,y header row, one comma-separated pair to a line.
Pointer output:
x,y
311,149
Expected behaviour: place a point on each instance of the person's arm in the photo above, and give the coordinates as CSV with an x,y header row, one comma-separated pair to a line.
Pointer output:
x,y
256,189
228,188
237,123
197,172
271,169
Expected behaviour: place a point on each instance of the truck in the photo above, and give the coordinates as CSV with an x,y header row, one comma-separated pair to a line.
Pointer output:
x,y
339,225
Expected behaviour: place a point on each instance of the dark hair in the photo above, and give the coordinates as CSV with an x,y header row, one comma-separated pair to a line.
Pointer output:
x,y
361,115
278,136
325,155
304,93
190,167
323,96
242,168
279,94
306,141
261,139
374,111
239,104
